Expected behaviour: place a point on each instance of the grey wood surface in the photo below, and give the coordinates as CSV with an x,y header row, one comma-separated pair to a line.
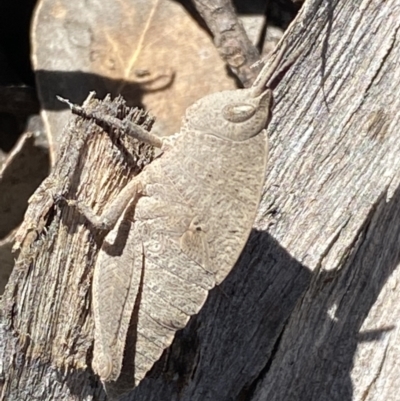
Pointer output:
x,y
310,310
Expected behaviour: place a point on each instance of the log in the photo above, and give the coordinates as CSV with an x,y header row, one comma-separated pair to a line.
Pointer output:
x,y
309,311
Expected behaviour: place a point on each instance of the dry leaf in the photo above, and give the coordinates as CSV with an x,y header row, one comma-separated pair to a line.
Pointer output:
x,y
151,51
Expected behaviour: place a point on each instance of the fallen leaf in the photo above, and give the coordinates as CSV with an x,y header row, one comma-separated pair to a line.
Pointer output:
x,y
152,52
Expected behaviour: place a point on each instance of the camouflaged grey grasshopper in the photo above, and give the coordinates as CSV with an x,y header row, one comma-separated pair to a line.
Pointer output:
x,y
192,210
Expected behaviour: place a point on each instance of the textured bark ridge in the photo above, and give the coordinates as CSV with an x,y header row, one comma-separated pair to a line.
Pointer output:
x,y
57,250
310,311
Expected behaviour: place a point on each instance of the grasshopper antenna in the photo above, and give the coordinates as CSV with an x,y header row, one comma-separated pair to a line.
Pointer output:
x,y
270,76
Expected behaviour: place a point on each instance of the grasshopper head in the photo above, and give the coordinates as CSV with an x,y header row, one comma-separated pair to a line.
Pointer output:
x,y
235,115
240,114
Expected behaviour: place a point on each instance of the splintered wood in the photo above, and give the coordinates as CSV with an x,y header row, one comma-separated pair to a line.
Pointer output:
x,y
51,283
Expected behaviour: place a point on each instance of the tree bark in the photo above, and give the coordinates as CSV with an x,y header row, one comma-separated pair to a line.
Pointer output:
x,y
310,310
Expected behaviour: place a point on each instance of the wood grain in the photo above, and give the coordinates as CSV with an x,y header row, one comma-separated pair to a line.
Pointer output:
x,y
310,311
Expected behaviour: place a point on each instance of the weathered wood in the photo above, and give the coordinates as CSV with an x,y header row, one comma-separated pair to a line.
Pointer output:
x,y
46,320
310,310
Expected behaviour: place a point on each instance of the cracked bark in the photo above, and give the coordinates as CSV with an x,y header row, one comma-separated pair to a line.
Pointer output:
x,y
319,272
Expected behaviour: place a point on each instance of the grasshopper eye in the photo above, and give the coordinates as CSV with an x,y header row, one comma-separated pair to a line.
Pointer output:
x,y
238,113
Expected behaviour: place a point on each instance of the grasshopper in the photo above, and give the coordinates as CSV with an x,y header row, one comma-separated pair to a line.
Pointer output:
x,y
187,217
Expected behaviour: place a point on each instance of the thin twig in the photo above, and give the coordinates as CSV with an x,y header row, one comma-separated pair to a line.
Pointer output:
x,y
230,38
